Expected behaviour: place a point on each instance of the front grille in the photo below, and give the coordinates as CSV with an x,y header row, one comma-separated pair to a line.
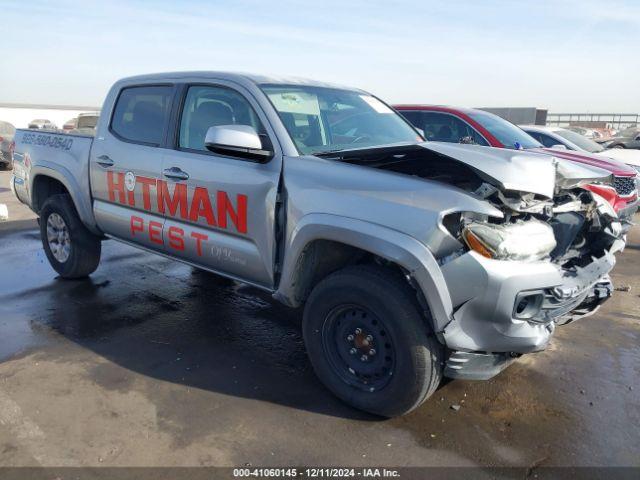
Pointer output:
x,y
624,185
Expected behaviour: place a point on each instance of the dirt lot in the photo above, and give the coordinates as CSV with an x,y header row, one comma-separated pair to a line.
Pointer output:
x,y
151,363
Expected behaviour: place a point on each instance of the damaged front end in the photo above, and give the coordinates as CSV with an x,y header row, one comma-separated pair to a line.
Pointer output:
x,y
577,231
545,263
513,278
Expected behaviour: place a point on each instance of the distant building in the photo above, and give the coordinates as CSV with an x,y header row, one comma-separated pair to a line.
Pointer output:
x,y
20,114
520,115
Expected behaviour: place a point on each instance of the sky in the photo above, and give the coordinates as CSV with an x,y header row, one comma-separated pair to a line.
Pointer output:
x,y
564,55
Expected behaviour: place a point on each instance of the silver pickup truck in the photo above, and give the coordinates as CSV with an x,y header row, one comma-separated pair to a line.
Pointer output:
x,y
413,260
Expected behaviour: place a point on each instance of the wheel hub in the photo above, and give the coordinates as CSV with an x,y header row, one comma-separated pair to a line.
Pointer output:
x,y
359,347
361,344
58,238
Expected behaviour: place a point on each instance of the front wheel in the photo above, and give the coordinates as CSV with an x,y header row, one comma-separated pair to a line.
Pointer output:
x,y
370,342
72,250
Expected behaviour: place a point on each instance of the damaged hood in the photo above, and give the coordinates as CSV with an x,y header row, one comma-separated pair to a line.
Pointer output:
x,y
520,170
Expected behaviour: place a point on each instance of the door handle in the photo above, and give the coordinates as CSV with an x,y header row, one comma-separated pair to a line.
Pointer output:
x,y
175,173
105,161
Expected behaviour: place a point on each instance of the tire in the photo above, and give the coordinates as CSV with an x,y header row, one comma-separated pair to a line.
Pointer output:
x,y
618,146
61,227
403,364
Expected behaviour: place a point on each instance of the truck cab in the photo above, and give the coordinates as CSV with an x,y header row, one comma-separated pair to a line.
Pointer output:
x,y
412,260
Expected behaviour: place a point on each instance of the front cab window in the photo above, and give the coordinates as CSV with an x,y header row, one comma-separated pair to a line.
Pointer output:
x,y
210,106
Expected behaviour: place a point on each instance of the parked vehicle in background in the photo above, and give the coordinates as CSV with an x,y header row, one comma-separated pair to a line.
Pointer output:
x,y
466,125
586,132
7,132
628,138
70,124
42,124
413,260
86,124
556,136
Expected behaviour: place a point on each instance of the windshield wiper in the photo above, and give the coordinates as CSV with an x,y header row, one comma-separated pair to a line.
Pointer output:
x,y
323,153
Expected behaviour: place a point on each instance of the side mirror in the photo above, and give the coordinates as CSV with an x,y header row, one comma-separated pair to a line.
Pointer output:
x,y
559,147
237,141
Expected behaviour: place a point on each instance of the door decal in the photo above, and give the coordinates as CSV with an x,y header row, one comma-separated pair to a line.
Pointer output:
x,y
177,204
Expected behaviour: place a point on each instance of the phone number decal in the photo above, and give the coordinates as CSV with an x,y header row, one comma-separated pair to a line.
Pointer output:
x,y
51,141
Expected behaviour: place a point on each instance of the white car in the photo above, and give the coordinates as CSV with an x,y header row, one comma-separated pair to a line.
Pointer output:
x,y
558,137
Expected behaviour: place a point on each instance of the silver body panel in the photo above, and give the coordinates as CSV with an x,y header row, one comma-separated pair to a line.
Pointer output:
x,y
393,216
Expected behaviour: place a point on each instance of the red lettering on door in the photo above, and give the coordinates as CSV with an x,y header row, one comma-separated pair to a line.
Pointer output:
x,y
146,196
155,232
201,206
176,238
137,225
199,238
238,217
179,199
116,187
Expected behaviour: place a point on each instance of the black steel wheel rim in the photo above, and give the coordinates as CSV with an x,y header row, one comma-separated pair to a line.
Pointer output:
x,y
359,347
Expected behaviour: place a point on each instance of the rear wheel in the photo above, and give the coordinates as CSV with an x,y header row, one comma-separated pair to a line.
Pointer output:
x,y
369,341
72,250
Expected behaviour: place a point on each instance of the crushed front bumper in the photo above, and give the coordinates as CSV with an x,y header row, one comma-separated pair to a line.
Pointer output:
x,y
488,294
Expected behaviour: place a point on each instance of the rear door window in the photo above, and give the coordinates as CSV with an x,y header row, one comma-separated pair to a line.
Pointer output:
x,y
141,114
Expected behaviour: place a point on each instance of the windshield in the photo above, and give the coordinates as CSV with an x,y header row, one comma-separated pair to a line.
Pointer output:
x,y
322,119
506,132
583,142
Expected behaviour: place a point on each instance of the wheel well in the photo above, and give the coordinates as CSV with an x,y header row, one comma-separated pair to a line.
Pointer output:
x,y
320,258
43,188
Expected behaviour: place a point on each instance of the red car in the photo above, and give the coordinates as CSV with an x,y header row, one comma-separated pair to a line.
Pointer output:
x,y
467,125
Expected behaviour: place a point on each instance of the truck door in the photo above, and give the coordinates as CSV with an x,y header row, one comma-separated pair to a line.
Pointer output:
x,y
220,211
126,162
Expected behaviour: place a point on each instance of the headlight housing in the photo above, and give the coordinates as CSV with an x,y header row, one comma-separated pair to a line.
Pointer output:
x,y
523,240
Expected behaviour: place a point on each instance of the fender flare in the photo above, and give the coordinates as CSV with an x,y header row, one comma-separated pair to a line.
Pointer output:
x,y
64,176
384,242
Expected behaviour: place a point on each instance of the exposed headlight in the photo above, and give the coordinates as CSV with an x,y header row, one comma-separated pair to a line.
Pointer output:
x,y
524,240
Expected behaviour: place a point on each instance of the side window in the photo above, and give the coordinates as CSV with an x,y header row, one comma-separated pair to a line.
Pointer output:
x,y
141,113
546,140
413,117
443,127
207,107
535,135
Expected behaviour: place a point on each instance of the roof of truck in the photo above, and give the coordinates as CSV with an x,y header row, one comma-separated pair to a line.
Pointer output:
x,y
238,77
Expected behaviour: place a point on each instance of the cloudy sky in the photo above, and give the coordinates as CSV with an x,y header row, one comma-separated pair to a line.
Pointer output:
x,y
565,55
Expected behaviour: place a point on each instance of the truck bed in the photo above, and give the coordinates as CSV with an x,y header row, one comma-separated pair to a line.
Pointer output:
x,y
62,156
